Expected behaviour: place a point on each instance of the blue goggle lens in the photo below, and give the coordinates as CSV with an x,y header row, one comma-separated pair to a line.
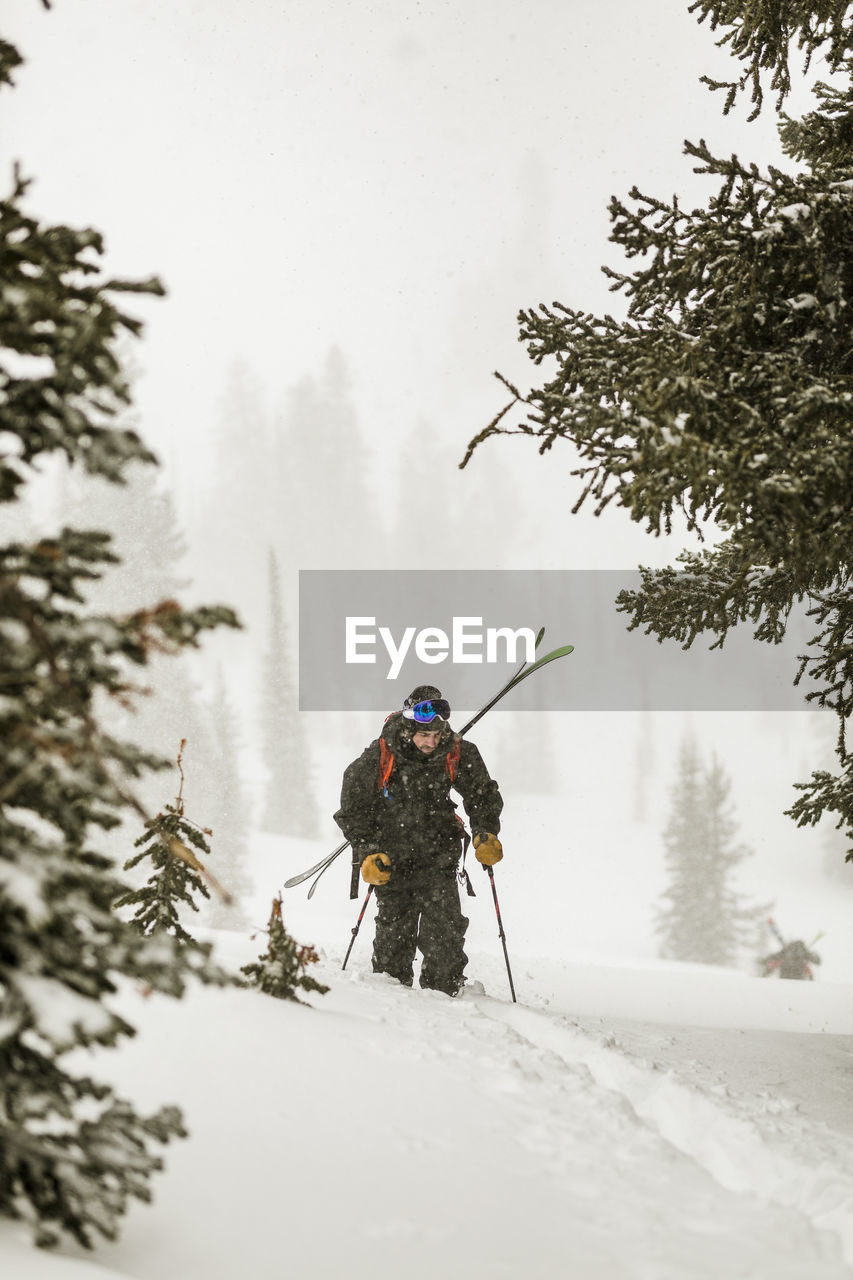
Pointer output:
x,y
425,712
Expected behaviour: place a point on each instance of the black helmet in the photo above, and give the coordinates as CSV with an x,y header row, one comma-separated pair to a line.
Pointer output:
x,y
426,708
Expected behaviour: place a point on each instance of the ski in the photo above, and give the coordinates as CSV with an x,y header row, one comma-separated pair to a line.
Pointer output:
x,y
318,866
523,670
781,940
515,675
324,868
775,928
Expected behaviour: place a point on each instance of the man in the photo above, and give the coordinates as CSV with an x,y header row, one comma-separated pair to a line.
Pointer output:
x,y
407,839
794,960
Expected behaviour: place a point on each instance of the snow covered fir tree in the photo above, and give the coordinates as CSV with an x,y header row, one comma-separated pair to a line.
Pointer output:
x,y
289,804
72,1151
703,919
281,970
147,538
228,808
175,846
723,398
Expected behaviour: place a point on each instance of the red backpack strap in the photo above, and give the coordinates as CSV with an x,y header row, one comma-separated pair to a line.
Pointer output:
x,y
451,762
386,762
386,765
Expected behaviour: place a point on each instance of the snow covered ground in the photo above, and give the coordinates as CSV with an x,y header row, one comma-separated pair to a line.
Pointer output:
x,y
627,1118
623,1119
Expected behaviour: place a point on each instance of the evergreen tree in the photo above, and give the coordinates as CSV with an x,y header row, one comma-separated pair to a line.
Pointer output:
x,y
142,520
325,506
72,1152
242,500
230,813
703,919
177,877
685,862
725,393
455,530
146,536
289,807
280,970
412,546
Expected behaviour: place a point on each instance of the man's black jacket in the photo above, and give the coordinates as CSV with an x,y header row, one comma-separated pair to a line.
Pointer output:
x,y
413,820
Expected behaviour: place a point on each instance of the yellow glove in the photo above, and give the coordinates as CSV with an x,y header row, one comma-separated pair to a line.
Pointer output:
x,y
488,850
373,870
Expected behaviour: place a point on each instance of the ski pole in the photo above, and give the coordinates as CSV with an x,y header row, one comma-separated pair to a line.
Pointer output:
x,y
775,928
357,926
501,932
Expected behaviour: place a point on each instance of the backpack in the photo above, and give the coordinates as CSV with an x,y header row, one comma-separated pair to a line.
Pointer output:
x,y
387,761
451,765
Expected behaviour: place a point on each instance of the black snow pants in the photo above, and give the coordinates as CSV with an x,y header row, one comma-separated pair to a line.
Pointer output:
x,y
423,915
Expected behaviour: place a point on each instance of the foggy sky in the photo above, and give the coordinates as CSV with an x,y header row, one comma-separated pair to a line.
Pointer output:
x,y
396,178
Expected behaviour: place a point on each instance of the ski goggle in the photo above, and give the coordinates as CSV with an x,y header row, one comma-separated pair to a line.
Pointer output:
x,y
426,712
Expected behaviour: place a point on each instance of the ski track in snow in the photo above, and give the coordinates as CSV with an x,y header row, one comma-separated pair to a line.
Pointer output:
x,y
629,1144
775,1163
390,1133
